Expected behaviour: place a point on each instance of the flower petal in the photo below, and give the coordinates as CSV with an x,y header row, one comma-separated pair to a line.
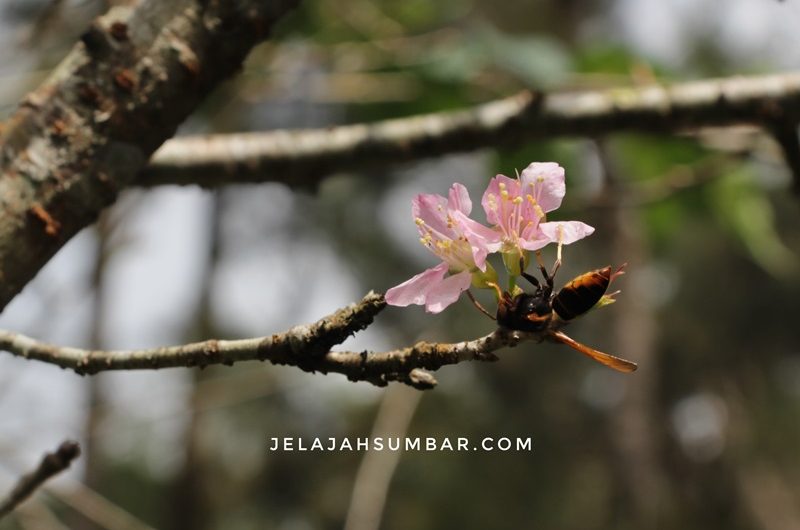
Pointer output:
x,y
491,198
459,199
565,232
536,243
432,209
415,290
482,239
447,291
546,179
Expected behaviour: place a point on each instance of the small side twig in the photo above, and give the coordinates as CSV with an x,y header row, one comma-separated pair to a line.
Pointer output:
x,y
52,464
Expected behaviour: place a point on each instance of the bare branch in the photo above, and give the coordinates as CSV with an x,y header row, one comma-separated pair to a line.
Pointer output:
x,y
296,346
88,130
52,464
305,157
306,347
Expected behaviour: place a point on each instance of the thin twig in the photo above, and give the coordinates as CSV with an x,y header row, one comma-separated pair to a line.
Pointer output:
x,y
306,347
52,464
303,158
299,345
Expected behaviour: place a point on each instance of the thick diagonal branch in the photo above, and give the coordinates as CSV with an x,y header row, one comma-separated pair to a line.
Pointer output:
x,y
305,157
88,130
306,347
52,464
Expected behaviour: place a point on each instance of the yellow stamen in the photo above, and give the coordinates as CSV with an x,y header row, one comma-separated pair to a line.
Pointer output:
x,y
503,191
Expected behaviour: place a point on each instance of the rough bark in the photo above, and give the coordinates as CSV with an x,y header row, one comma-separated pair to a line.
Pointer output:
x,y
89,129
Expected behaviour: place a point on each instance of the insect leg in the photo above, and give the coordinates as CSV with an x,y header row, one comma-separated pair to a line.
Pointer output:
x,y
531,278
545,275
479,306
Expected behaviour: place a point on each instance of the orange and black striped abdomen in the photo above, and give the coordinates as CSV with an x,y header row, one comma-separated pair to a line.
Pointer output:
x,y
581,294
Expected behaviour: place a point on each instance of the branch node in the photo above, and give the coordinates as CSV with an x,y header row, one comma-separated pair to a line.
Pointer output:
x,y
420,379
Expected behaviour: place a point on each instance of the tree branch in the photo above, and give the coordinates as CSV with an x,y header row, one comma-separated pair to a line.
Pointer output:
x,y
306,347
303,158
52,464
87,131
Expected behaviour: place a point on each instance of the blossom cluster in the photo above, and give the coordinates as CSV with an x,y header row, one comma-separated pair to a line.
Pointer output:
x,y
516,210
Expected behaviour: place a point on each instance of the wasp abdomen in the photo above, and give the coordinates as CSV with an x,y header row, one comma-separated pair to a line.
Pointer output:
x,y
582,293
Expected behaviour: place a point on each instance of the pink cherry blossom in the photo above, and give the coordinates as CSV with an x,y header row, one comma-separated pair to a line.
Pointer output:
x,y
518,207
565,232
431,289
545,181
462,244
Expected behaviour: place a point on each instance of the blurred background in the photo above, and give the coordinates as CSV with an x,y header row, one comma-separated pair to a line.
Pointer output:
x,y
704,435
